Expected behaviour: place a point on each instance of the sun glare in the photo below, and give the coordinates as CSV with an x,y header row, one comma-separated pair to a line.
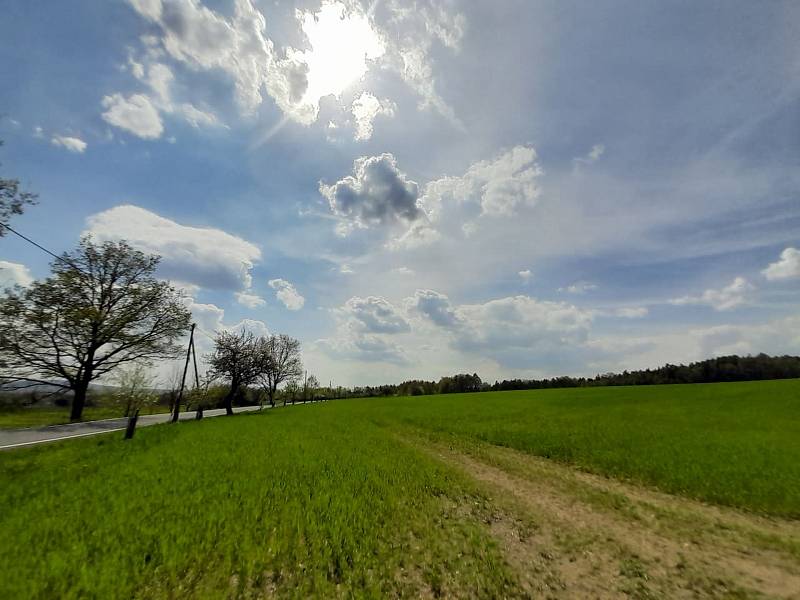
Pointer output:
x,y
341,44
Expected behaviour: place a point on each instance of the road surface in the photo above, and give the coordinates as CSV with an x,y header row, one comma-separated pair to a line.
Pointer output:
x,y
18,438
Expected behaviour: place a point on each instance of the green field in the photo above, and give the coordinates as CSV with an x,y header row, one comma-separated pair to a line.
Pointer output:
x,y
424,496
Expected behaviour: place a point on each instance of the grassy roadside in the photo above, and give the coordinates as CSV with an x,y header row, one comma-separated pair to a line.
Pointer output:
x,y
17,418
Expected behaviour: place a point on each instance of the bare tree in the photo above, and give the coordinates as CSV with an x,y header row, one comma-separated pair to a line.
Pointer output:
x,y
280,361
101,308
311,385
12,200
237,358
135,390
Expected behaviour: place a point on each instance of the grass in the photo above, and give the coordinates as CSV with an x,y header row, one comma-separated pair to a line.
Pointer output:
x,y
21,417
330,500
296,500
733,444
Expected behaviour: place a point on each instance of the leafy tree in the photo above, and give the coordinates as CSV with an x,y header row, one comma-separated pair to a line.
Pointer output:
x,y
280,361
101,308
135,388
12,200
239,358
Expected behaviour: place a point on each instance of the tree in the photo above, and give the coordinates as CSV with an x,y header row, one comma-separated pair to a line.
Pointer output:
x,y
280,361
310,388
12,200
237,357
101,308
135,388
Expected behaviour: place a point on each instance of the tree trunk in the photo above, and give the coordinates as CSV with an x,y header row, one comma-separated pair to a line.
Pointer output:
x,y
131,428
229,399
78,402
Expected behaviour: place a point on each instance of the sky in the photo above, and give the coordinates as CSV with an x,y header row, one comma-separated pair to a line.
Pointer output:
x,y
517,188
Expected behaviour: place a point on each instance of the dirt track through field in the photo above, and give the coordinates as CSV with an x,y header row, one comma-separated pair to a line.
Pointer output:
x,y
568,534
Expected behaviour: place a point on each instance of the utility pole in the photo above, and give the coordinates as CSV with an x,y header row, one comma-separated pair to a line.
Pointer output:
x,y
199,409
177,410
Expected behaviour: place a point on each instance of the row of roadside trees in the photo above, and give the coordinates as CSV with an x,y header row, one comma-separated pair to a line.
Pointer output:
x,y
103,313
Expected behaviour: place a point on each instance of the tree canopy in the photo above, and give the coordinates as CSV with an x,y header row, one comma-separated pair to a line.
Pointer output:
x,y
12,200
101,308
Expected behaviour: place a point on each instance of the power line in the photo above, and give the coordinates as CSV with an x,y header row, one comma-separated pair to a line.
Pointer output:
x,y
43,249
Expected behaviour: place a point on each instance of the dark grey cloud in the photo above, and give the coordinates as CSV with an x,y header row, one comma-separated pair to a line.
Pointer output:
x,y
377,193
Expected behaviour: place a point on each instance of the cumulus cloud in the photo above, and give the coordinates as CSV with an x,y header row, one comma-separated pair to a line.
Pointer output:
x,y
205,40
364,329
12,274
135,114
204,256
250,300
363,347
374,314
377,193
727,298
787,267
513,331
73,144
287,294
525,275
434,306
593,156
365,109
499,186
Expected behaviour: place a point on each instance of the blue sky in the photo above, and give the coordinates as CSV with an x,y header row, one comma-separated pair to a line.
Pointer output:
x,y
518,188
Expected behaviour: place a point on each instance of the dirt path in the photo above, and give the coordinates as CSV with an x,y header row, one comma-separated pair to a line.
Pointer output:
x,y
569,534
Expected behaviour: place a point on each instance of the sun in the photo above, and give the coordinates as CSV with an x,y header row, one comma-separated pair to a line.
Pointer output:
x,y
341,44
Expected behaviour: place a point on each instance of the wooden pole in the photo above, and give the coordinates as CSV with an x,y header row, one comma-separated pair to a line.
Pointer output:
x,y
199,409
177,410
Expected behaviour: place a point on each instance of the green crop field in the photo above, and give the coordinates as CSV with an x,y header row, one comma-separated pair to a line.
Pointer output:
x,y
424,496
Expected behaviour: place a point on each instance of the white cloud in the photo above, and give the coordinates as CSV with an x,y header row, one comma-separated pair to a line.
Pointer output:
x,y
377,193
434,306
205,40
731,296
12,274
787,267
578,288
73,144
522,322
365,109
38,132
203,256
515,332
593,156
418,235
350,345
525,275
287,294
135,114
250,300
499,186
403,271
632,312
373,314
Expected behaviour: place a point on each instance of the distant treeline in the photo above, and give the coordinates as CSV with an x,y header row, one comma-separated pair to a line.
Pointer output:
x,y
713,370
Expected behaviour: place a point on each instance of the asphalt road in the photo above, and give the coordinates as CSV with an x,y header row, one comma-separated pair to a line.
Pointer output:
x,y
18,438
